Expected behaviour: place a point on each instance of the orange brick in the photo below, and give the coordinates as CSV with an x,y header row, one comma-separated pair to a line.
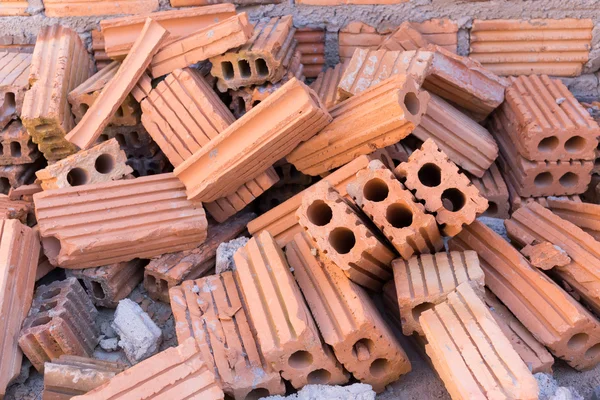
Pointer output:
x,y
442,32
245,152
378,117
79,8
13,8
217,319
491,186
142,88
584,215
326,85
445,191
338,231
283,325
19,249
154,218
424,281
545,255
406,37
347,318
17,43
14,73
357,35
517,201
102,60
17,146
534,46
462,336
311,43
554,318
178,372
14,209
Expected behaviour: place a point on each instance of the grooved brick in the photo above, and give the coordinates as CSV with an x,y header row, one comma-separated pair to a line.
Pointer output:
x,y
280,319
188,3
426,280
311,44
326,85
14,8
492,186
584,215
217,319
14,73
17,146
142,88
100,56
347,318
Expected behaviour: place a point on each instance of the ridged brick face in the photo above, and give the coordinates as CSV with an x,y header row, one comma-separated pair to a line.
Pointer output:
x,y
311,44
584,215
14,75
326,85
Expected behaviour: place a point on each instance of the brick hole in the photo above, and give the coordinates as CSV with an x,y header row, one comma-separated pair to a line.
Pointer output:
x,y
430,175
10,105
77,177
241,106
257,393
104,163
135,139
593,351
15,149
547,145
420,309
300,359
362,349
379,367
150,282
412,103
575,144
596,162
387,161
577,341
399,215
342,240
40,321
227,69
543,179
244,67
1,150
319,213
50,294
261,67
255,103
119,112
4,185
375,190
51,246
319,377
120,139
396,162
453,199
569,179
97,290
48,306
492,208
103,138
83,108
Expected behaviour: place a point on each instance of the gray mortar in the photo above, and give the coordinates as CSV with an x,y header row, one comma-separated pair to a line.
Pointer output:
x,y
225,252
357,391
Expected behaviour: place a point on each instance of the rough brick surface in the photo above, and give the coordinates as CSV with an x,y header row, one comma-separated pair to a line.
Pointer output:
x,y
142,88
108,284
424,281
102,163
69,376
338,231
24,192
445,191
19,249
584,215
264,57
544,121
280,319
46,112
395,211
83,97
215,316
171,269
536,46
347,318
554,318
492,186
14,74
61,321
311,43
533,224
111,232
378,117
532,352
545,255
462,336
178,372
202,44
287,117
326,85
121,33
17,146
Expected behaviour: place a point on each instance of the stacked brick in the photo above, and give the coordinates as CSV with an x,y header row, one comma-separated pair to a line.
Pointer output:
x,y
311,44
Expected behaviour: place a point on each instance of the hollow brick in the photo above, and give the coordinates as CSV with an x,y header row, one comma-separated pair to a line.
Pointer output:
x,y
102,60
145,166
14,74
584,215
404,38
134,140
13,176
517,201
326,84
17,146
492,186
311,43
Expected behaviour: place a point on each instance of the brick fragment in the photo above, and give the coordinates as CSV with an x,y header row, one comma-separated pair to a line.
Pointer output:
x,y
178,372
69,376
536,46
14,74
215,316
445,191
442,32
326,85
134,140
545,255
584,215
83,8
492,186
347,318
46,112
14,209
83,97
17,146
14,8
121,33
13,176
245,152
102,163
102,60
24,192
406,37
532,352
340,232
142,88
311,43
395,211
137,218
462,336
285,330
553,317
426,280
205,43
60,321
264,57
19,249
378,117
108,284
171,269
138,335
544,121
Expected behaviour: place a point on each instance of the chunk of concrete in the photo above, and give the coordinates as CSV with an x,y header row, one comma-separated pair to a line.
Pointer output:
x,y
356,391
225,253
139,336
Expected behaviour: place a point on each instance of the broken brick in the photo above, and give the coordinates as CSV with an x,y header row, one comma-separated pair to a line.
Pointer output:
x,y
545,255
139,336
517,201
492,186
406,37
14,74
14,209
17,146
142,88
326,84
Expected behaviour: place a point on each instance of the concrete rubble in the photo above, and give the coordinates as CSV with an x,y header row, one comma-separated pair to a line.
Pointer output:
x,y
206,201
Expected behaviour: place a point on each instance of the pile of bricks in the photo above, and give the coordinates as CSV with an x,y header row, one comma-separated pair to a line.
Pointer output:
x,y
139,167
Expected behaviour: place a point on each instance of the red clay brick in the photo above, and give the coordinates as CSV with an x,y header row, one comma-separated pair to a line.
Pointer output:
x,y
145,166
14,209
83,8
311,43
13,176
584,215
492,186
406,37
14,8
134,140
326,85
517,201
357,35
14,74
545,255
102,60
17,146
142,88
